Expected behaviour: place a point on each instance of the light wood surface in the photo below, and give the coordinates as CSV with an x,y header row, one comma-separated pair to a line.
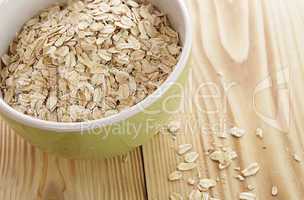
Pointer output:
x,y
27,173
240,46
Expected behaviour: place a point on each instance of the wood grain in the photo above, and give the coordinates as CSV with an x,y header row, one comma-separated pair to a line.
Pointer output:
x,y
240,46
247,71
27,173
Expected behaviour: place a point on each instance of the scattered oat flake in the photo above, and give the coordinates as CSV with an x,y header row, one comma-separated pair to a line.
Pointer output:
x,y
296,158
224,157
191,157
184,148
206,184
176,175
186,166
240,177
250,187
259,133
251,170
247,196
174,126
217,156
222,136
237,169
237,132
274,190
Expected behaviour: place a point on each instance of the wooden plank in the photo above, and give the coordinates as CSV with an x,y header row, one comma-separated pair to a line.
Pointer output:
x,y
27,173
268,51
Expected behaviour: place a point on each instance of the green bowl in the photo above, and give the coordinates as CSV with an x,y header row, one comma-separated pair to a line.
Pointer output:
x,y
109,136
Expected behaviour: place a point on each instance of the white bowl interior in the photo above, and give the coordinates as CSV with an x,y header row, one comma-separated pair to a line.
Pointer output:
x,y
14,13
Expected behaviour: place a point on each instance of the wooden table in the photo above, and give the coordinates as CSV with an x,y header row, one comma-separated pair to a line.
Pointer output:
x,y
243,50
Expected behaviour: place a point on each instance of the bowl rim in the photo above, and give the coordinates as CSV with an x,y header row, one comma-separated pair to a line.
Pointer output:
x,y
76,127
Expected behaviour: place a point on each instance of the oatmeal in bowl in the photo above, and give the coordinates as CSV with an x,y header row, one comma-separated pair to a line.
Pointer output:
x,y
92,78
85,60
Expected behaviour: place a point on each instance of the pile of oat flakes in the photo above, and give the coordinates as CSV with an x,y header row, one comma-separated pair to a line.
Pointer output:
x,y
88,59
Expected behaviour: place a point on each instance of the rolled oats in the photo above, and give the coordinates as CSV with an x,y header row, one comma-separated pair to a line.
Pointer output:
x,y
237,132
174,126
296,157
274,190
259,133
251,170
191,157
250,187
88,59
240,177
224,157
206,184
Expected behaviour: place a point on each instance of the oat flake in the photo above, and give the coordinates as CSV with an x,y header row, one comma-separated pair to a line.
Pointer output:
x,y
250,187
251,170
237,132
224,157
191,157
183,148
174,126
274,191
206,184
259,133
296,158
